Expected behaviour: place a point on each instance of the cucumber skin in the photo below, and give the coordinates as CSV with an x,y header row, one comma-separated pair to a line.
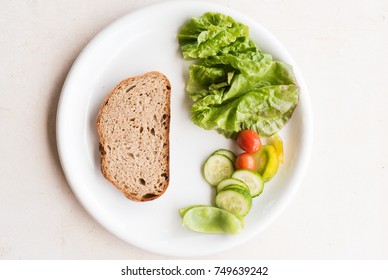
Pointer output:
x,y
253,174
239,183
214,184
229,154
240,191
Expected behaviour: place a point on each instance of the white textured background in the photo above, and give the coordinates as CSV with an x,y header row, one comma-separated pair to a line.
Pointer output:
x,y
340,211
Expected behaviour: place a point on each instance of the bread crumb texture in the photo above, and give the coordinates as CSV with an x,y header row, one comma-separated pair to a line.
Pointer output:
x,y
133,125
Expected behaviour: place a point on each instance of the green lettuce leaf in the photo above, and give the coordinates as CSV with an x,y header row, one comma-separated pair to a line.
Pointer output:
x,y
204,36
200,84
265,110
201,78
233,84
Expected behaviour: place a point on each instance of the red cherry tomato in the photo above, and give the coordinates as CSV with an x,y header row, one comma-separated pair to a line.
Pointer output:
x,y
245,161
249,141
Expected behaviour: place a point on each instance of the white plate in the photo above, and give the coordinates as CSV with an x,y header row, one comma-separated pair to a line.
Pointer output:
x,y
143,41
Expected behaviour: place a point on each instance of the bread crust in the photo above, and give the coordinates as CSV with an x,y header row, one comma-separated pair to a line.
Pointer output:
x,y
128,190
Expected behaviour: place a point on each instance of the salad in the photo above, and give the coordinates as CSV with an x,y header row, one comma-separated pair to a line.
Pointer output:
x,y
246,95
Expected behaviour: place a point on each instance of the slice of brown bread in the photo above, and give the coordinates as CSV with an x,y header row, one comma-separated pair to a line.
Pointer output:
x,y
134,126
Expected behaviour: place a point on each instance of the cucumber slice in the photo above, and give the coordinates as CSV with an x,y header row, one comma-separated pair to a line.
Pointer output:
x,y
226,153
235,200
210,219
217,168
231,181
253,180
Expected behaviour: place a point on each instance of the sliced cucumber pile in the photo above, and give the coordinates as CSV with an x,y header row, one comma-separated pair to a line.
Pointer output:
x,y
235,190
